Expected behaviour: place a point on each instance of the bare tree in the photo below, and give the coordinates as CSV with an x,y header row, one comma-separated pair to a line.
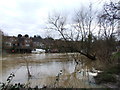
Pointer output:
x,y
85,25
112,10
109,19
58,23
79,31
107,34
27,62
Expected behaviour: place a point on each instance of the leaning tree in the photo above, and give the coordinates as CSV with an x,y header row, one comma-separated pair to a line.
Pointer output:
x,y
79,31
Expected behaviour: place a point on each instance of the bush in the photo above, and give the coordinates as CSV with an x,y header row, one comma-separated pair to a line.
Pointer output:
x,y
113,70
105,78
108,75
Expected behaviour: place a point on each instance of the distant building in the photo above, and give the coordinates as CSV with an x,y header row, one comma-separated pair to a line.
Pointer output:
x,y
37,42
17,44
9,41
21,43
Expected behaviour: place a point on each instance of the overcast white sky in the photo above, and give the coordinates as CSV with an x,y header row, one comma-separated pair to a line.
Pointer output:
x,y
30,16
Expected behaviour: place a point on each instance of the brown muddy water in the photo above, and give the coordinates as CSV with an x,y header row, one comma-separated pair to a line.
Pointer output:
x,y
52,70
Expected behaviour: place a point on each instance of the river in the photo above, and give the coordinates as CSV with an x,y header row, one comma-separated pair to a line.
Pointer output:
x,y
46,67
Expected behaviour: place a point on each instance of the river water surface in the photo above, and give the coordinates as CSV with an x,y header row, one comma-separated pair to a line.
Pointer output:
x,y
45,69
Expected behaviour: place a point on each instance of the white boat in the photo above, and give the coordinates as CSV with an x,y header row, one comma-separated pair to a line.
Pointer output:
x,y
37,51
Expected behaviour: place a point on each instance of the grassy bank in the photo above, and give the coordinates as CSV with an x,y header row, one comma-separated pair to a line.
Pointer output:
x,y
110,77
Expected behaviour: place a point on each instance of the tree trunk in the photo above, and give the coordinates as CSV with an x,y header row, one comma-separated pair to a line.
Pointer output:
x,y
92,57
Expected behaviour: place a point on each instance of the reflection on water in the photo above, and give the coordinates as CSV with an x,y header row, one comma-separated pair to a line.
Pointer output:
x,y
45,67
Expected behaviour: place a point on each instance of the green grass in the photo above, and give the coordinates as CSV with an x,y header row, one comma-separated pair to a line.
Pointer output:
x,y
104,78
113,70
108,75
116,55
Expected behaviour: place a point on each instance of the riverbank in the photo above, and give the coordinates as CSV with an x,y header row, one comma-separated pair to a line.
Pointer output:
x,y
110,77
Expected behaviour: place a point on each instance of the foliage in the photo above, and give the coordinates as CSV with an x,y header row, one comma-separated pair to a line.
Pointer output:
x,y
116,55
113,70
17,86
108,75
104,78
